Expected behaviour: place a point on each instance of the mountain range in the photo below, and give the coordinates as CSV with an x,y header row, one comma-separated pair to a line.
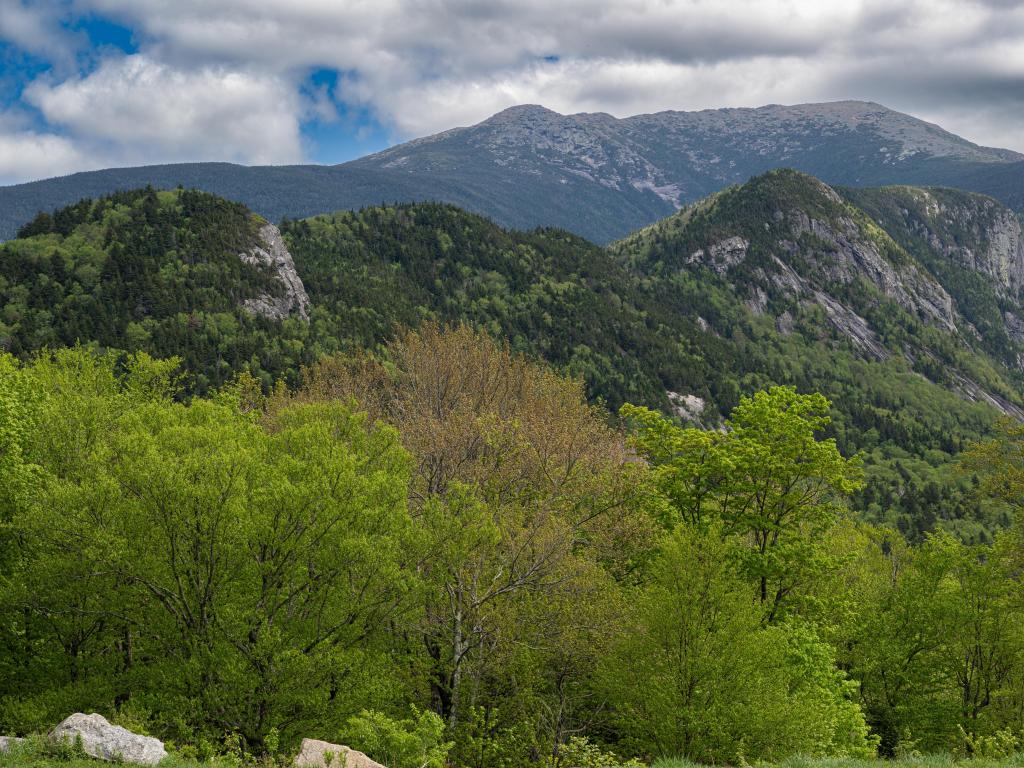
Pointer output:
x,y
592,174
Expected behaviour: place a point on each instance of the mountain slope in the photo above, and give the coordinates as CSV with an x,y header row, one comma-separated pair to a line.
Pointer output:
x,y
171,273
592,174
789,245
972,244
779,280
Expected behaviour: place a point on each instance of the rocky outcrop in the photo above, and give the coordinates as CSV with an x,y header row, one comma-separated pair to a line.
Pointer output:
x,y
975,231
687,407
721,256
849,255
852,326
971,390
322,754
680,156
274,255
104,741
1014,326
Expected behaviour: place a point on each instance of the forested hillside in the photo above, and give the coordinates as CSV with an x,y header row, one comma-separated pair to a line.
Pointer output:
x,y
159,271
451,558
779,281
732,490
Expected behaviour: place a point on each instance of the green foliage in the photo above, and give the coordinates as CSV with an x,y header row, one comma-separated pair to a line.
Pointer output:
x,y
636,321
236,572
416,742
580,752
551,294
1001,744
16,471
435,523
767,480
247,561
713,672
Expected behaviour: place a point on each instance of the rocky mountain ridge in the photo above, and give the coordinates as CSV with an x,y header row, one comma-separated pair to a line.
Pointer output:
x,y
785,242
675,155
593,174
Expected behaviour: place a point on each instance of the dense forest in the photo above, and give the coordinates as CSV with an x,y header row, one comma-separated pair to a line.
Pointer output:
x,y
158,272
454,558
513,499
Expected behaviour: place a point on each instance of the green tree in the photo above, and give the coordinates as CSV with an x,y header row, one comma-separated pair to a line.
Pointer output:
x,y
16,470
530,508
228,573
775,487
699,675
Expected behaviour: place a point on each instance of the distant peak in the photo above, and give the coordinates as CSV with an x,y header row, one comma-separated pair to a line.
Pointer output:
x,y
872,105
520,111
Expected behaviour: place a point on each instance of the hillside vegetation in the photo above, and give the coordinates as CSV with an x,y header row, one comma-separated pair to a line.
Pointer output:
x,y
636,322
743,487
454,558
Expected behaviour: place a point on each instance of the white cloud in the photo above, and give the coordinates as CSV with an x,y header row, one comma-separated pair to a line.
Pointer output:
x,y
621,88
154,112
36,29
423,65
224,79
32,155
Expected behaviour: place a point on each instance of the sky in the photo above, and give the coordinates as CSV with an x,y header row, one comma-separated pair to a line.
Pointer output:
x,y
88,84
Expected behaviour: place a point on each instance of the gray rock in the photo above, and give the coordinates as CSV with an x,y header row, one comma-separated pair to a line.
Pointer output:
x,y
275,255
784,323
1014,326
7,742
758,301
314,754
102,740
974,392
723,255
850,256
853,326
687,407
995,241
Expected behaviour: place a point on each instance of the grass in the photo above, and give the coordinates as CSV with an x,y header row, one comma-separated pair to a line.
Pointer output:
x,y
36,752
922,761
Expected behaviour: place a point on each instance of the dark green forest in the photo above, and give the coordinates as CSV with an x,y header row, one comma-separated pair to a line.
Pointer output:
x,y
459,516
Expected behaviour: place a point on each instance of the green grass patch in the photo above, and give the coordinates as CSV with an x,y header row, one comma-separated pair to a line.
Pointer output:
x,y
921,761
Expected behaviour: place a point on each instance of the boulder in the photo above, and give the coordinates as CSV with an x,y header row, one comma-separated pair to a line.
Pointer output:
x,y
102,740
6,742
313,754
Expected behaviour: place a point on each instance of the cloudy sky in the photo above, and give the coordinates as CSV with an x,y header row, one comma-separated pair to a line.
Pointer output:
x,y
95,83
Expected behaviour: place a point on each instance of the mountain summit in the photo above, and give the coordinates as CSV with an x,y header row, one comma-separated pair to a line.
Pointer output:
x,y
591,173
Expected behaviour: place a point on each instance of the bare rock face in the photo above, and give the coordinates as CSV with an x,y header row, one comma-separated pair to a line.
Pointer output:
x,y
687,407
275,255
853,326
977,232
851,256
102,740
1004,258
723,255
322,754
